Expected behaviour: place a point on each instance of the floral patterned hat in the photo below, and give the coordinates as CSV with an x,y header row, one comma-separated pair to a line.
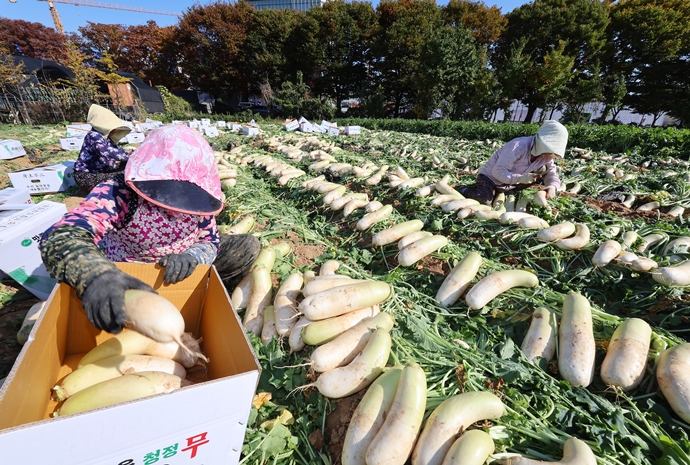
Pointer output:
x,y
174,168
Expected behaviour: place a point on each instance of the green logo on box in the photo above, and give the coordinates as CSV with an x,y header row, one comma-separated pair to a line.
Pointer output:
x,y
26,242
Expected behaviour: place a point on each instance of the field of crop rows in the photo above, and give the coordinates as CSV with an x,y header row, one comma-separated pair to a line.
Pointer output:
x,y
463,349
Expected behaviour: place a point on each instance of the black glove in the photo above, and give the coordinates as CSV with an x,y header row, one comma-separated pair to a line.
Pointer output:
x,y
178,266
104,299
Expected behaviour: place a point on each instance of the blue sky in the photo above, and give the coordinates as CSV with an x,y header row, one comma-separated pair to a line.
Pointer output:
x,y
74,16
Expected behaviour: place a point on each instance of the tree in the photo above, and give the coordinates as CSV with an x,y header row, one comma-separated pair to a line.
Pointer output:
x,y
33,40
449,64
267,46
210,42
485,23
339,59
651,48
295,101
543,25
11,78
401,30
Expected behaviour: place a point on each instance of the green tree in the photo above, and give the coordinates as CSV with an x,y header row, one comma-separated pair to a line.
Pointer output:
x,y
449,64
337,55
401,30
650,47
568,28
295,101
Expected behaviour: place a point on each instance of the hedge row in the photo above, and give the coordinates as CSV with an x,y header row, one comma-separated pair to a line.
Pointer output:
x,y
612,139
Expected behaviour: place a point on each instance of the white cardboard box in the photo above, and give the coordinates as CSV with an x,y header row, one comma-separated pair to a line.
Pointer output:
x,y
77,131
13,199
210,131
318,128
201,424
19,238
290,125
44,179
333,131
250,130
306,127
147,126
234,126
327,124
71,143
221,124
193,124
86,126
205,122
10,148
135,138
352,130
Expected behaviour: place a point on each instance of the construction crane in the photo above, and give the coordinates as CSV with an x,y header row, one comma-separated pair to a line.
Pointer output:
x,y
58,23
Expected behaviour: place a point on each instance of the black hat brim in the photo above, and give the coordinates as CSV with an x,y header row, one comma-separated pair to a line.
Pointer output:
x,y
180,196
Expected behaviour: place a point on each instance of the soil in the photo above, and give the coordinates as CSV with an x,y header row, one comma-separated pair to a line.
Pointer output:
x,y
337,422
622,211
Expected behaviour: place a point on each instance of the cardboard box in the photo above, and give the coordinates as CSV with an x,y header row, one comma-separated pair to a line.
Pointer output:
x,y
333,131
210,131
148,126
71,143
234,126
250,130
290,125
44,179
352,130
19,238
14,195
134,138
193,124
306,127
328,124
12,200
86,126
318,128
77,131
200,424
205,122
179,122
220,124
10,148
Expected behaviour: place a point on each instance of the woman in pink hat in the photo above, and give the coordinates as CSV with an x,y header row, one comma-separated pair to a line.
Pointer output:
x,y
160,210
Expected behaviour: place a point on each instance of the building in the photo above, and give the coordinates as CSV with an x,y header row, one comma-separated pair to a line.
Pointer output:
x,y
297,5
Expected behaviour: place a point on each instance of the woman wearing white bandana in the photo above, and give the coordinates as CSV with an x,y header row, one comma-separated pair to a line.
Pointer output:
x,y
522,162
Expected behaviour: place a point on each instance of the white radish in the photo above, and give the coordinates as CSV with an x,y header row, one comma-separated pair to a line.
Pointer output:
x,y
540,340
496,283
678,275
576,242
322,331
329,268
575,452
344,348
268,332
576,345
260,295
626,356
473,447
373,206
408,239
113,367
295,339
606,252
353,205
396,438
154,316
336,193
369,415
450,418
643,264
368,220
344,299
556,232
445,198
443,187
285,303
649,241
130,342
532,222
394,233
360,373
672,375
323,283
459,279
513,217
419,249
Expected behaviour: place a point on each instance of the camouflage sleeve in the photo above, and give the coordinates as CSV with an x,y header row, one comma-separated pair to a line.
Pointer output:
x,y
71,255
206,250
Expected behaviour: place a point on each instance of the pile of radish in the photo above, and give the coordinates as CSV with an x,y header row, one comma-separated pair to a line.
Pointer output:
x,y
151,357
346,187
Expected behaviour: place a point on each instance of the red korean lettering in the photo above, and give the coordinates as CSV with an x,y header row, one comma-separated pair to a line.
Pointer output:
x,y
195,442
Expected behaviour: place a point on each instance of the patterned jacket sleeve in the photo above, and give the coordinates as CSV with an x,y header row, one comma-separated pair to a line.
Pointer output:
x,y
69,248
206,250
